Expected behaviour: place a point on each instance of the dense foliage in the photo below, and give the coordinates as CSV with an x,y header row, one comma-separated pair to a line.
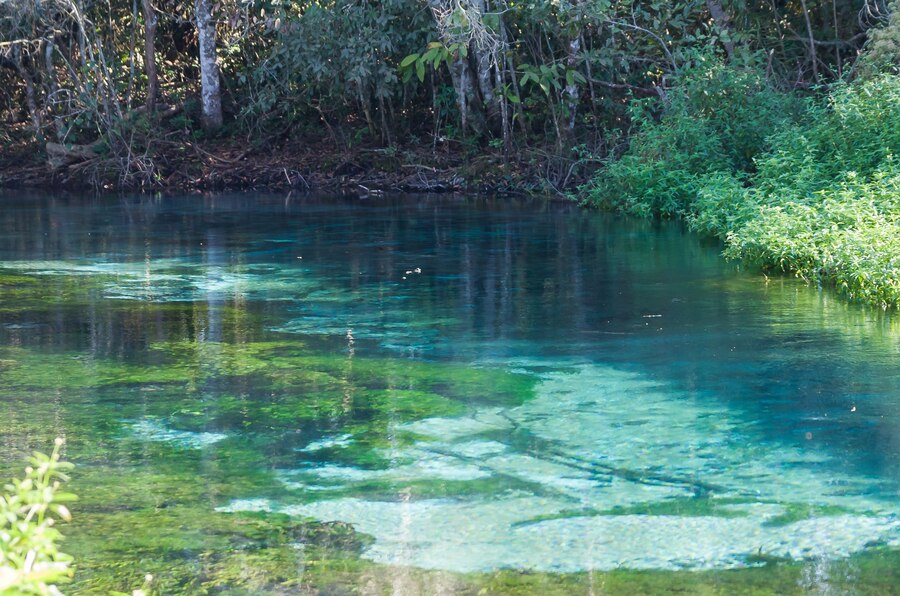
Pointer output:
x,y
122,80
813,191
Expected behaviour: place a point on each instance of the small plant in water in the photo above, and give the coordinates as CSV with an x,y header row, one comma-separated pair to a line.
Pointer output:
x,y
30,561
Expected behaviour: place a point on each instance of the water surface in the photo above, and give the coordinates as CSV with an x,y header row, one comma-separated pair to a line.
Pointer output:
x,y
471,385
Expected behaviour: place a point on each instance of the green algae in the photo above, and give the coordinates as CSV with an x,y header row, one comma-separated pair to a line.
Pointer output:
x,y
277,569
681,506
273,387
30,370
191,550
23,293
285,364
684,506
151,503
795,512
290,364
412,490
874,572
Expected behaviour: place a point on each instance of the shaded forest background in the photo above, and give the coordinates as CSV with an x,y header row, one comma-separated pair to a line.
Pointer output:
x,y
528,95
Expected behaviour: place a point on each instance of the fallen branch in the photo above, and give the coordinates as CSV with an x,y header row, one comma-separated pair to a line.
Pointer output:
x,y
60,155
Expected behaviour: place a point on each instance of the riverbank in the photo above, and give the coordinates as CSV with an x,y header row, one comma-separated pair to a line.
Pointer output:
x,y
303,165
805,187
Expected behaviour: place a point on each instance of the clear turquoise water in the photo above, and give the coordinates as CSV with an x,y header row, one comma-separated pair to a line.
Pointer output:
x,y
474,384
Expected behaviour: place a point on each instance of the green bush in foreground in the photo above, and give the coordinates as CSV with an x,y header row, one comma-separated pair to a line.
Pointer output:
x,y
30,561
818,195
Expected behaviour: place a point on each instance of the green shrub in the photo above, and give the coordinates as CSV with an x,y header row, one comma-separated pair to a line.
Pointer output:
x,y
815,192
717,119
847,235
30,561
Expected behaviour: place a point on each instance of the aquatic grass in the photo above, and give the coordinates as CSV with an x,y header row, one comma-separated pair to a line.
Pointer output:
x,y
290,364
26,369
799,511
868,574
210,551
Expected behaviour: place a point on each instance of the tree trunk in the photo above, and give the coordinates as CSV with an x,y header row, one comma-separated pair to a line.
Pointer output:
x,y
466,97
210,92
504,114
30,97
812,42
485,84
572,88
52,89
723,23
458,76
150,22
511,68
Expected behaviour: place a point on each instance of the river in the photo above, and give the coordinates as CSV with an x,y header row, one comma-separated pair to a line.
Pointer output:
x,y
412,394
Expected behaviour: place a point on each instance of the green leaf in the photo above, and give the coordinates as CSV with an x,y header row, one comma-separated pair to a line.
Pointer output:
x,y
420,71
409,60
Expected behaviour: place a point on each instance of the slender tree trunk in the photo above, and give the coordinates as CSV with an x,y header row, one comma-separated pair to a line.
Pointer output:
x,y
150,22
590,76
520,113
385,128
132,52
364,104
837,35
812,42
572,88
461,75
723,22
504,113
458,72
485,84
52,89
483,64
30,96
210,92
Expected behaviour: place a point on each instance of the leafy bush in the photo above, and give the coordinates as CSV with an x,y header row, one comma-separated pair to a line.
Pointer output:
x,y
717,119
883,51
847,234
30,561
819,196
345,73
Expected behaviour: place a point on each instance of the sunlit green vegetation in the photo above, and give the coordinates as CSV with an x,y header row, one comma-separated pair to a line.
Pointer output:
x,y
30,509
804,186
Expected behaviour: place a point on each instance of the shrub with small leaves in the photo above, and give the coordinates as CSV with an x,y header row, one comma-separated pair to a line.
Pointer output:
x,y
30,508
